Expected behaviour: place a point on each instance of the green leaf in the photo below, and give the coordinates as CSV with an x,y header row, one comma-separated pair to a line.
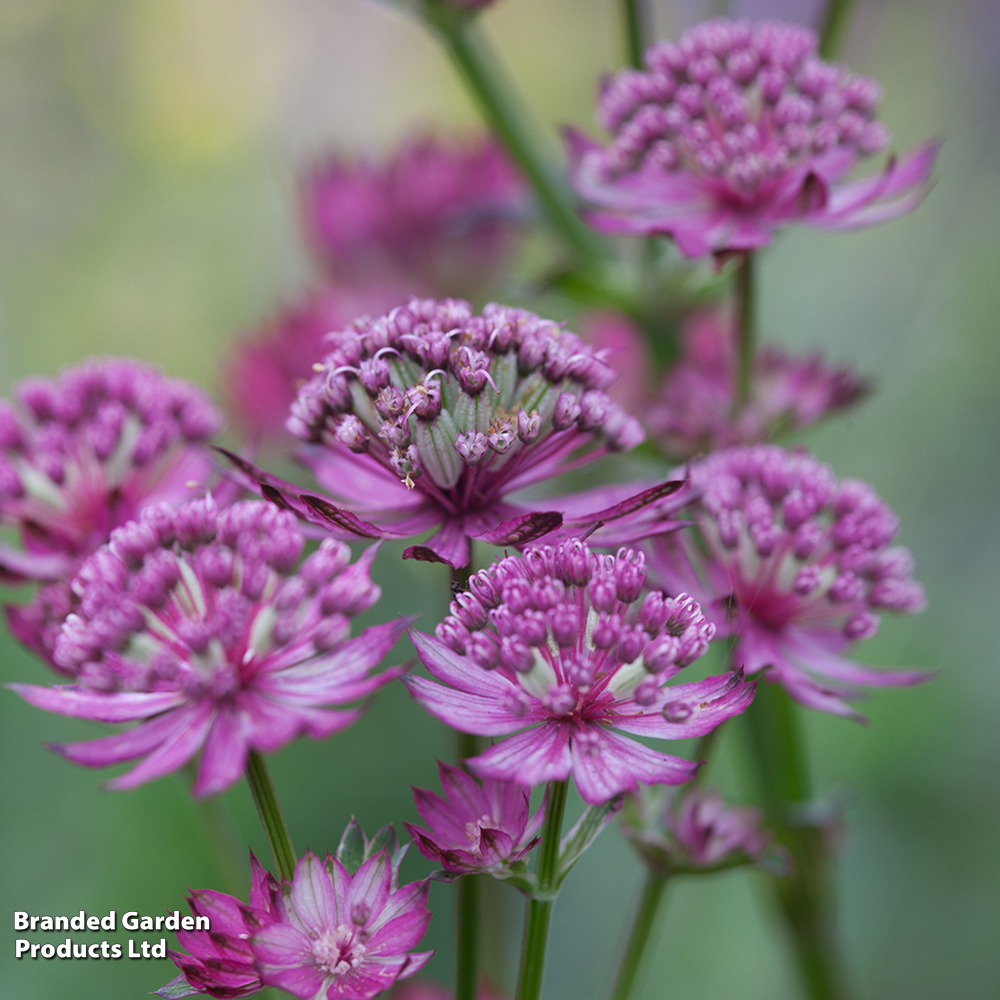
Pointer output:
x,y
351,851
584,832
176,988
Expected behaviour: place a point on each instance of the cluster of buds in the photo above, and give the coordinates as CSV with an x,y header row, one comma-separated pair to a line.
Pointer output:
x,y
195,621
560,640
742,103
794,564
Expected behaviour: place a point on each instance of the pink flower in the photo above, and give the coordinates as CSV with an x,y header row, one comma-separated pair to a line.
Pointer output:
x,y
695,829
193,623
556,649
431,416
795,565
87,451
220,961
438,217
264,371
696,409
475,829
343,936
735,130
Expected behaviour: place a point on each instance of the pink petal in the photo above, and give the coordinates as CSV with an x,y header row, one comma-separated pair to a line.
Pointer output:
x,y
82,703
371,884
611,764
314,903
523,529
173,752
449,546
225,753
128,745
529,758
482,715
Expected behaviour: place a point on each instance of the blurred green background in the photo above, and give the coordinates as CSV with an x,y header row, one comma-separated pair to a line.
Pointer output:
x,y
147,172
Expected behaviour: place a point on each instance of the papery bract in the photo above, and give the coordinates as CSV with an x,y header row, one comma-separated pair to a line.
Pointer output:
x,y
343,936
220,961
194,623
734,131
555,648
475,828
795,566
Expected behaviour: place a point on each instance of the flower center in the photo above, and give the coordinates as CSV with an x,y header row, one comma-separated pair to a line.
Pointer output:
x,y
338,951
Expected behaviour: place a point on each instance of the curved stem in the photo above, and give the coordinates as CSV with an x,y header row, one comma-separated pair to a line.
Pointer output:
x,y
806,896
833,27
270,815
640,934
536,927
636,17
493,93
745,294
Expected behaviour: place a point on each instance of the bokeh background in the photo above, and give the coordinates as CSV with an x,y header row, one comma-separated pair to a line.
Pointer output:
x,y
148,159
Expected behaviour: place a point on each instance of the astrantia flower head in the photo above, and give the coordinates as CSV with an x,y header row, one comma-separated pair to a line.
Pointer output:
x,y
220,961
735,130
697,411
693,829
194,623
558,644
429,417
794,564
342,934
475,828
440,217
85,452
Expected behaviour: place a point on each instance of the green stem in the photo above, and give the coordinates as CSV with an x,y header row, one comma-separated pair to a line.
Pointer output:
x,y
270,815
636,18
703,754
806,896
833,27
639,935
467,938
493,93
746,323
536,927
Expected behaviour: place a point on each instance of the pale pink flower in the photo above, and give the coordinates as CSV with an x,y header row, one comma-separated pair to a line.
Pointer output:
x,y
736,130
195,624
795,566
555,652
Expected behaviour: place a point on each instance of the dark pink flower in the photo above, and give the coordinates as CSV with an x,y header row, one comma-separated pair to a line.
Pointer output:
x,y
438,217
694,829
220,961
475,828
555,648
795,565
194,623
735,130
342,936
87,451
696,409
432,416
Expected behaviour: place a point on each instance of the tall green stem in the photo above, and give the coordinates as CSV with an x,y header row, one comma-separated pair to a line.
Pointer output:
x,y
806,896
639,935
745,293
494,94
636,17
536,927
270,815
833,27
467,904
